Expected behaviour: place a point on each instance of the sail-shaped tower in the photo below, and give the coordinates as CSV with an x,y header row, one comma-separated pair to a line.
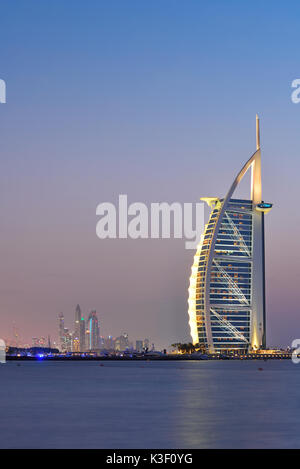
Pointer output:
x,y
227,284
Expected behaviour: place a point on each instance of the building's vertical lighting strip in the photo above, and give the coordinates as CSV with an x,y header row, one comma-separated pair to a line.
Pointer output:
x,y
193,312
193,293
91,325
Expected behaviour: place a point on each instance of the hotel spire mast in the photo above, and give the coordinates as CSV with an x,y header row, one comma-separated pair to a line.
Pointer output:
x,y
256,169
257,133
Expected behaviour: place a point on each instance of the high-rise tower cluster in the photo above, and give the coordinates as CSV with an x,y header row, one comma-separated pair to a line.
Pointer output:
x,y
86,335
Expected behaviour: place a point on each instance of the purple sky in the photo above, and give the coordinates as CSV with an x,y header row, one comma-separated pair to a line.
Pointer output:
x,y
156,100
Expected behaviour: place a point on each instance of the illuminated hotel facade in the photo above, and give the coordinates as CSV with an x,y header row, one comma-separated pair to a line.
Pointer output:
x,y
227,284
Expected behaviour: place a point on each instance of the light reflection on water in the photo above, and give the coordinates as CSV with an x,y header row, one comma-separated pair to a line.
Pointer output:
x,y
226,404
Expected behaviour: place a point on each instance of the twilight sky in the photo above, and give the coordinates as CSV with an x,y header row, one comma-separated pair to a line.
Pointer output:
x,y
156,100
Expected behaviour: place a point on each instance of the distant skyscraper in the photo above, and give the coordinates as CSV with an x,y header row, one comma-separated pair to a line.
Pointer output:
x,y
35,341
82,335
43,341
75,344
109,343
93,327
139,345
122,342
87,337
61,329
227,284
101,342
79,331
67,344
146,344
77,321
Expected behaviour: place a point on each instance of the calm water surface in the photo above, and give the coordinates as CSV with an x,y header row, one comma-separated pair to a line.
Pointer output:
x,y
208,404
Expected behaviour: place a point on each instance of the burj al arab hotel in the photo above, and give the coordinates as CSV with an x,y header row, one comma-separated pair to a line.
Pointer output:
x,y
227,283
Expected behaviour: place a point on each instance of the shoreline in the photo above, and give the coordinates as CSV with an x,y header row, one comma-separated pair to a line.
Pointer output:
x,y
264,357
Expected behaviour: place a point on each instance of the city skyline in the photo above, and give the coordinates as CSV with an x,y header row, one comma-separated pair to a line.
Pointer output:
x,y
138,99
76,337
